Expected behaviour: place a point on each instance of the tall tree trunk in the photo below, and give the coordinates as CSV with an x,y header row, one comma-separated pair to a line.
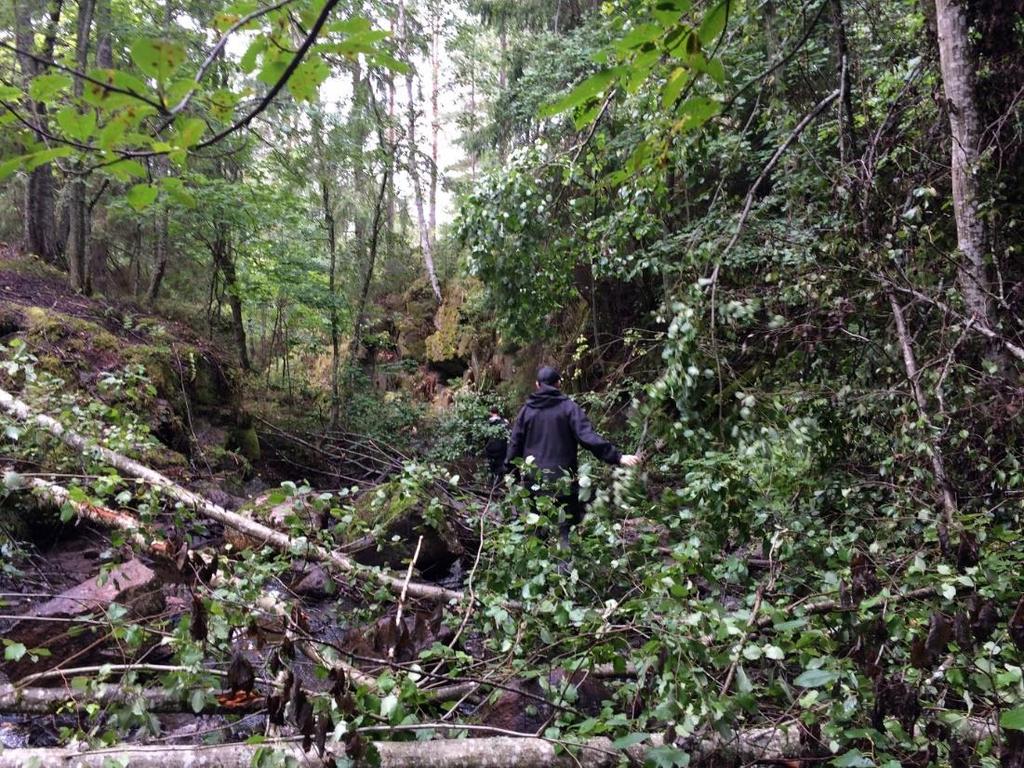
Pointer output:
x,y
392,147
847,137
414,173
364,292
78,227
435,121
225,263
502,53
958,79
39,230
99,250
332,244
160,256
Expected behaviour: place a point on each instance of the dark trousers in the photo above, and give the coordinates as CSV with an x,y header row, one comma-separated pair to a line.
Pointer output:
x,y
573,509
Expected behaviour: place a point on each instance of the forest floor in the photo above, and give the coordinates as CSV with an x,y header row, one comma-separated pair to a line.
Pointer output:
x,y
61,575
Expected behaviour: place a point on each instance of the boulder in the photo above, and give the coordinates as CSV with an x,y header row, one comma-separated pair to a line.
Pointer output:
x,y
312,582
132,585
525,709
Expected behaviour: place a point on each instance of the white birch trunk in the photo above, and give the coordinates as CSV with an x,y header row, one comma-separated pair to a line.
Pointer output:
x,y
958,79
426,246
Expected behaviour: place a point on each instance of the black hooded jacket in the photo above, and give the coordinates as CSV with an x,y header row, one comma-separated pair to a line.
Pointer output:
x,y
551,427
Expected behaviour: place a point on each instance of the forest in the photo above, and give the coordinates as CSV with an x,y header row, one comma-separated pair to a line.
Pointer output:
x,y
278,276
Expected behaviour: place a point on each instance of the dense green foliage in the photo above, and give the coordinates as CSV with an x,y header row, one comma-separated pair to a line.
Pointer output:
x,y
733,224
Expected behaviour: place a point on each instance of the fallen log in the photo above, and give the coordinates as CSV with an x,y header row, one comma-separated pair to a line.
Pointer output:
x,y
495,752
758,744
207,508
43,701
59,496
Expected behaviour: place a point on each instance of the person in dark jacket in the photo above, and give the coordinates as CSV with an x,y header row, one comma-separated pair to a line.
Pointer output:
x,y
497,444
550,428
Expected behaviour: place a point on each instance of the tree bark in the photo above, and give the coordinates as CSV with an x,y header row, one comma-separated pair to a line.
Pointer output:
x,y
206,508
44,701
59,496
425,244
958,79
78,227
99,238
364,291
949,505
220,250
752,745
160,256
332,246
435,122
39,230
847,136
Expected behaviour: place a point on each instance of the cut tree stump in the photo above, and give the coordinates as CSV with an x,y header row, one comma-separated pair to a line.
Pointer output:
x,y
130,584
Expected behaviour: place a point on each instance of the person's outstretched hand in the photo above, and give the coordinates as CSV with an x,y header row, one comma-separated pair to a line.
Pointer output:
x,y
630,460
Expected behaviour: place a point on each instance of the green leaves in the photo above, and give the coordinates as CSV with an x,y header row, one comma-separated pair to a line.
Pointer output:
x,y
667,756
583,92
696,111
98,91
248,61
141,196
45,87
76,125
190,131
175,189
630,740
126,169
714,23
13,651
853,759
306,78
673,87
33,160
1012,719
815,678
157,58
668,38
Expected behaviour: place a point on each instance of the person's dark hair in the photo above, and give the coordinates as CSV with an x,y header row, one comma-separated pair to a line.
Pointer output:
x,y
494,410
548,375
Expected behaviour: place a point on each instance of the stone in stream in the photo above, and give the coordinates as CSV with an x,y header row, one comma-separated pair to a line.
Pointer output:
x,y
313,582
525,709
132,585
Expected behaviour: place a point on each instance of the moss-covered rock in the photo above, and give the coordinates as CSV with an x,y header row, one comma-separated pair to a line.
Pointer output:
x,y
459,338
243,438
416,320
397,518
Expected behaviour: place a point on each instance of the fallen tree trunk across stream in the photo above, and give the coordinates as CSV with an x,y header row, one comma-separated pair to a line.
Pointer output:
x,y
490,752
761,744
208,509
59,496
42,701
